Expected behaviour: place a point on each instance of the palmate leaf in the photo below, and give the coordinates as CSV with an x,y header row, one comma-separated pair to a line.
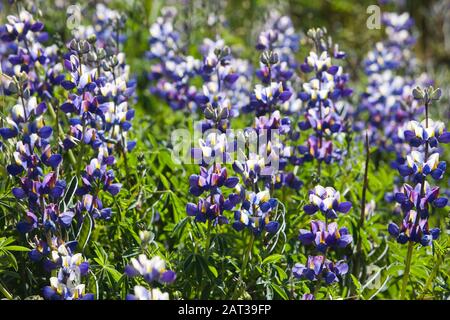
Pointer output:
x,y
7,257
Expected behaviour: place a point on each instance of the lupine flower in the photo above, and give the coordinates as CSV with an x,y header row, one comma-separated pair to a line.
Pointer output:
x,y
212,208
141,293
325,236
316,266
250,170
210,180
151,270
278,43
411,198
327,200
388,98
172,70
67,285
266,98
255,213
308,296
329,120
415,200
324,95
410,230
417,134
417,166
98,115
96,177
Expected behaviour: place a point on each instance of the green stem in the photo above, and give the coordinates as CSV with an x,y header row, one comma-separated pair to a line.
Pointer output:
x,y
247,255
407,270
431,278
208,240
5,292
207,246
362,216
422,194
245,260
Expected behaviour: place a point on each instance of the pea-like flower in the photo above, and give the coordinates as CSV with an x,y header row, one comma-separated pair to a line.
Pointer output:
x,y
142,293
327,200
417,134
322,150
328,120
212,208
211,180
324,236
318,63
411,231
411,198
419,168
18,26
317,266
67,284
265,99
317,90
153,269
255,213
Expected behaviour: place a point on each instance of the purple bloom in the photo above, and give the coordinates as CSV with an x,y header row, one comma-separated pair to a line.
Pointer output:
x,y
255,213
327,200
152,270
323,236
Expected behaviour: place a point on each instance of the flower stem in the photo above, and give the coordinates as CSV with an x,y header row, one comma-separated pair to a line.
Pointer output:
x,y
5,292
245,260
431,278
208,240
207,245
416,221
362,216
247,254
407,269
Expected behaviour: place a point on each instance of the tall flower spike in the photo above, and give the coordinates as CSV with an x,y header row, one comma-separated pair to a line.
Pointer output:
x,y
324,95
416,200
324,236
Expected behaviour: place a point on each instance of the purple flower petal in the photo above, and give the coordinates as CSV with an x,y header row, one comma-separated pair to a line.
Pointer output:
x,y
344,207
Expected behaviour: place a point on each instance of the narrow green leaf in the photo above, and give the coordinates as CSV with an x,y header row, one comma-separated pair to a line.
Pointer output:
x,y
85,232
272,258
280,291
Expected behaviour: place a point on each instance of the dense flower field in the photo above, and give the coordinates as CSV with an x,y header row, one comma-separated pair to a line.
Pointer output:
x,y
174,151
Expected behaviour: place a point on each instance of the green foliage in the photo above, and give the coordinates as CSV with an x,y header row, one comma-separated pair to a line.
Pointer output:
x,y
155,194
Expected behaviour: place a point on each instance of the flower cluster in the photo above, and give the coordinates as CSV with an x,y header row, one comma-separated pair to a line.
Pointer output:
x,y
324,236
318,267
67,284
327,200
415,201
171,69
255,213
279,43
28,138
216,108
42,130
153,270
323,95
388,99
